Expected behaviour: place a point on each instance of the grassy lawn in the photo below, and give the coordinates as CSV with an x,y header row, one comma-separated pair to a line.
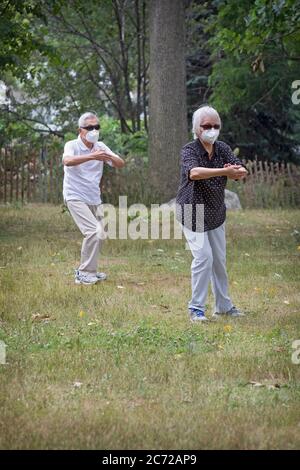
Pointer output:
x,y
118,364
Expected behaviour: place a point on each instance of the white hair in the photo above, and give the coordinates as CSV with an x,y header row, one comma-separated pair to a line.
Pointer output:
x,y
84,117
199,114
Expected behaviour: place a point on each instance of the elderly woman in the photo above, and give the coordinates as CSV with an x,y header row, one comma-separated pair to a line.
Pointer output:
x,y
206,163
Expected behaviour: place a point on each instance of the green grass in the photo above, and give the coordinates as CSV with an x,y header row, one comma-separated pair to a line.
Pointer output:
x,y
109,367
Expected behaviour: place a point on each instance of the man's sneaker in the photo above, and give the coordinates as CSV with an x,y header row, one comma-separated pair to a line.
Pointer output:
x,y
86,279
101,276
233,312
197,315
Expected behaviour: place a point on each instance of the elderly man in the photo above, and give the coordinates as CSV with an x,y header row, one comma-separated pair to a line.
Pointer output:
x,y
206,163
83,160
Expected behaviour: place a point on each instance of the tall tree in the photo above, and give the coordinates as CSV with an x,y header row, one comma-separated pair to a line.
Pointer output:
x,y
167,101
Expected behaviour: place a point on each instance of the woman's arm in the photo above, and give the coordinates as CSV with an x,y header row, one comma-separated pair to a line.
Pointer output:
x,y
200,173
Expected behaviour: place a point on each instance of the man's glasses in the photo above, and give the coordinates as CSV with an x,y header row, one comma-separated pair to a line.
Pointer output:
x,y
207,127
91,128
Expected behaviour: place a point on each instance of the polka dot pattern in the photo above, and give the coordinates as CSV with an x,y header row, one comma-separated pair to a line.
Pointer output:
x,y
209,192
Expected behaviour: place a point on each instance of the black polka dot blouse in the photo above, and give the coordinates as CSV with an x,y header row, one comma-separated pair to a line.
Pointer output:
x,y
210,192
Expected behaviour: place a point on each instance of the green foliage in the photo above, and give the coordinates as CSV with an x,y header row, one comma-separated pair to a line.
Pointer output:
x,y
19,41
134,144
61,58
256,52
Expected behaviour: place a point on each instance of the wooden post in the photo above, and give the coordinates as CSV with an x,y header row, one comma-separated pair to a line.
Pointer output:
x,y
16,153
5,175
50,157
34,176
11,176
22,175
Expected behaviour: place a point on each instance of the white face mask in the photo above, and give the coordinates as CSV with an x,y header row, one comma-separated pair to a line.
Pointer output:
x,y
92,136
210,136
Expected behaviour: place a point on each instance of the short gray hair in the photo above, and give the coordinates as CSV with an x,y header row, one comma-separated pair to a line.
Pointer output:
x,y
84,117
199,114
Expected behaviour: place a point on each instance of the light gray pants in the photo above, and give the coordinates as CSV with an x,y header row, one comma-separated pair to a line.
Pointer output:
x,y
88,219
209,263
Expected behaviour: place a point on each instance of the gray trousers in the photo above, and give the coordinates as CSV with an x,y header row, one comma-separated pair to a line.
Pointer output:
x,y
88,220
209,264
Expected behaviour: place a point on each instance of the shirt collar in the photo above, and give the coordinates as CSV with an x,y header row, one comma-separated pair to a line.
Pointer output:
x,y
202,150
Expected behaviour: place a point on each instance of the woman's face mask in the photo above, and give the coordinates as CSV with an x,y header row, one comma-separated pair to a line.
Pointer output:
x,y
210,135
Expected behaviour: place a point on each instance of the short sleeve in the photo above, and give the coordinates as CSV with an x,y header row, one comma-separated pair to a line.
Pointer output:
x,y
189,160
68,150
229,157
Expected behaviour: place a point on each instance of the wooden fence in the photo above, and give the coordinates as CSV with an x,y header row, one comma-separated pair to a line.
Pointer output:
x,y
270,172
30,175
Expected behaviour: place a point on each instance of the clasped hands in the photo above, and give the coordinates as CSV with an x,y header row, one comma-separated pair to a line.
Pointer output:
x,y
235,172
102,155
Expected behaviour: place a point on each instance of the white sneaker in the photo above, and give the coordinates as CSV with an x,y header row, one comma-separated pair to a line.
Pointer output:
x,y
86,279
197,315
101,276
233,312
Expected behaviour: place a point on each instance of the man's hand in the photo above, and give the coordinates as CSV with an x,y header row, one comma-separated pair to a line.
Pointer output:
x,y
101,155
108,156
235,172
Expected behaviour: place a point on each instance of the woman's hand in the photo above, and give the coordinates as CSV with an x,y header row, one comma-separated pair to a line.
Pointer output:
x,y
235,172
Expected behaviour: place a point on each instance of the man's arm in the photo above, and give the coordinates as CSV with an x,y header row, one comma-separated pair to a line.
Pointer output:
x,y
101,155
74,160
112,158
116,161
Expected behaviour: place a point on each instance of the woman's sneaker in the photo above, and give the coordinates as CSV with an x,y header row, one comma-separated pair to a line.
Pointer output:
x,y
233,312
101,276
197,315
86,279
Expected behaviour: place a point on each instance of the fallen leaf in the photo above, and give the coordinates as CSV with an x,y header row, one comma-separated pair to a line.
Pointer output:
x,y
77,384
41,317
164,306
256,384
227,328
270,385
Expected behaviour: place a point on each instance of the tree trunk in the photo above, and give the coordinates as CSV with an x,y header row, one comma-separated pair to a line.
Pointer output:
x,y
167,105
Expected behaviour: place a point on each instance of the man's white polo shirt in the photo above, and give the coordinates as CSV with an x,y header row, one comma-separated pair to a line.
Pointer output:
x,y
81,182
